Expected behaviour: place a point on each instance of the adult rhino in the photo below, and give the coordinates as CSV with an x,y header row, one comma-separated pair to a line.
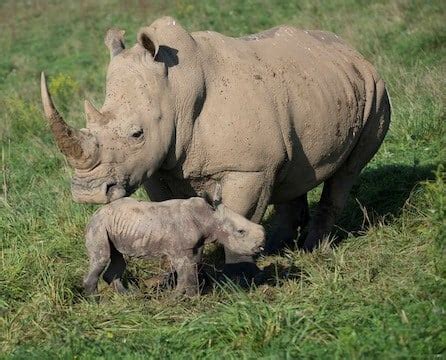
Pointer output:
x,y
269,116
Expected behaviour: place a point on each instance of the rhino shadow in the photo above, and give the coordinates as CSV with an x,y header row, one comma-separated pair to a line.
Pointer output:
x,y
378,196
381,193
274,274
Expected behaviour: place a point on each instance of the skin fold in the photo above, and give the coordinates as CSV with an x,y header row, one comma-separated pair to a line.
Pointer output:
x,y
270,116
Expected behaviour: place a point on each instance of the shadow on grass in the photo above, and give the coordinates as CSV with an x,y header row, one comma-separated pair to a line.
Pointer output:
x,y
273,274
379,196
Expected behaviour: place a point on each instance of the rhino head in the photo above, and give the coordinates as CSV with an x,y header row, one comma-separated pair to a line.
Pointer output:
x,y
129,137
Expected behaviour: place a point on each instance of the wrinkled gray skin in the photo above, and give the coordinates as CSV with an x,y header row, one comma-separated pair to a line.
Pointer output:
x,y
270,116
177,229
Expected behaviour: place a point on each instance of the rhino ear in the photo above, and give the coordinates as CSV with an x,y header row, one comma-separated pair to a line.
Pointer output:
x,y
114,40
147,41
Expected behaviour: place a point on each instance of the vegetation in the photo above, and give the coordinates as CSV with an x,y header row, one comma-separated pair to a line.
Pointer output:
x,y
381,293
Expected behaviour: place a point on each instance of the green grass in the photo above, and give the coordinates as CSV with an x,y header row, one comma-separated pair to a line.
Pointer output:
x,y
380,294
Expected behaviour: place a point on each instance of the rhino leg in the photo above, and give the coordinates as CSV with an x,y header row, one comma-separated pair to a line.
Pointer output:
x,y
337,187
332,202
187,275
157,189
288,217
98,249
115,270
248,195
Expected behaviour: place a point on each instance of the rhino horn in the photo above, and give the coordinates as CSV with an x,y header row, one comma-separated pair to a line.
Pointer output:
x,y
114,40
74,144
93,115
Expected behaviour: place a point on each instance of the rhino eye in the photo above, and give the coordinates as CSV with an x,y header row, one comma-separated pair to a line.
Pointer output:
x,y
241,232
137,134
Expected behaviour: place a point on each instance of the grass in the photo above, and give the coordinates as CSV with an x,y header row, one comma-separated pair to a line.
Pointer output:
x,y
380,294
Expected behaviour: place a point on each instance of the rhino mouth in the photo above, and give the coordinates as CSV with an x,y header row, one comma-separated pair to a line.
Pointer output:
x,y
102,194
115,191
256,250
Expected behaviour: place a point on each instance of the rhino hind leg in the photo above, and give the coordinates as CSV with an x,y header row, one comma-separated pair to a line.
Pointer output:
x,y
115,270
97,266
334,196
98,250
337,187
286,221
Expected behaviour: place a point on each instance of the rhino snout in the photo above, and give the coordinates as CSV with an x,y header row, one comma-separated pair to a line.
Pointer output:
x,y
259,240
252,243
114,191
102,194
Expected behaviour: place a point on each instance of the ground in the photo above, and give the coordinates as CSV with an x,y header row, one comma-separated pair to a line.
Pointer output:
x,y
380,293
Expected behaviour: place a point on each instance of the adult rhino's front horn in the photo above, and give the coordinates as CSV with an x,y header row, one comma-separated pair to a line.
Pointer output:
x,y
79,146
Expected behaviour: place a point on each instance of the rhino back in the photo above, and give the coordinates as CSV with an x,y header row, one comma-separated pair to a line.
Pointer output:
x,y
283,96
142,229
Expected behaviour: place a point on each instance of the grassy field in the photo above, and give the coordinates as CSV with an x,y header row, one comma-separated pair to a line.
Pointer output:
x,y
380,294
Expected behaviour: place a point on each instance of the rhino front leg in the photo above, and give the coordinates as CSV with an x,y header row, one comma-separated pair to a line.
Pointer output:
x,y
247,194
288,217
187,275
157,189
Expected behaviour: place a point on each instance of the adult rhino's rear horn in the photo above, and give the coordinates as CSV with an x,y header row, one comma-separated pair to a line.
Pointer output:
x,y
79,147
114,40
93,116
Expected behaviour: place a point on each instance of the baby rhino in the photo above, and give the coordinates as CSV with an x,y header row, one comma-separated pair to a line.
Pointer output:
x,y
177,229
